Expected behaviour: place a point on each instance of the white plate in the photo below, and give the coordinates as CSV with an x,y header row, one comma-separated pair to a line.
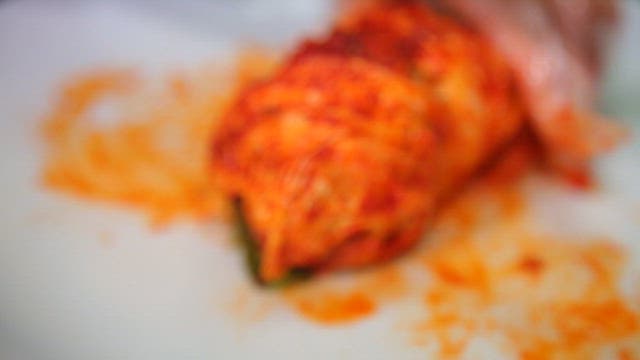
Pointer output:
x,y
64,295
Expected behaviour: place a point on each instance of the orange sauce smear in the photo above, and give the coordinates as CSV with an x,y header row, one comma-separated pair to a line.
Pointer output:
x,y
154,153
544,297
548,298
329,302
336,308
493,277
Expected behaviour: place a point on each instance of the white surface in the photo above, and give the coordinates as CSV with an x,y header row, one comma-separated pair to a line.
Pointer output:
x,y
63,295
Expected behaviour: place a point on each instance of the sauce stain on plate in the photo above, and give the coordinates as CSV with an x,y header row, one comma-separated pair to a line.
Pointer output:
x,y
356,296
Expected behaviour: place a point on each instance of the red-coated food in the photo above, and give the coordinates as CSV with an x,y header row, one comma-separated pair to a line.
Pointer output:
x,y
341,157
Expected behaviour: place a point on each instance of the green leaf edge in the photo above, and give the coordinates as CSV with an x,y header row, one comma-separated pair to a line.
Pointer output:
x,y
247,241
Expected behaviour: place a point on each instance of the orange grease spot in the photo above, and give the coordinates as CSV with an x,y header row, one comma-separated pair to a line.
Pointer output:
x,y
460,267
330,302
531,265
331,308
